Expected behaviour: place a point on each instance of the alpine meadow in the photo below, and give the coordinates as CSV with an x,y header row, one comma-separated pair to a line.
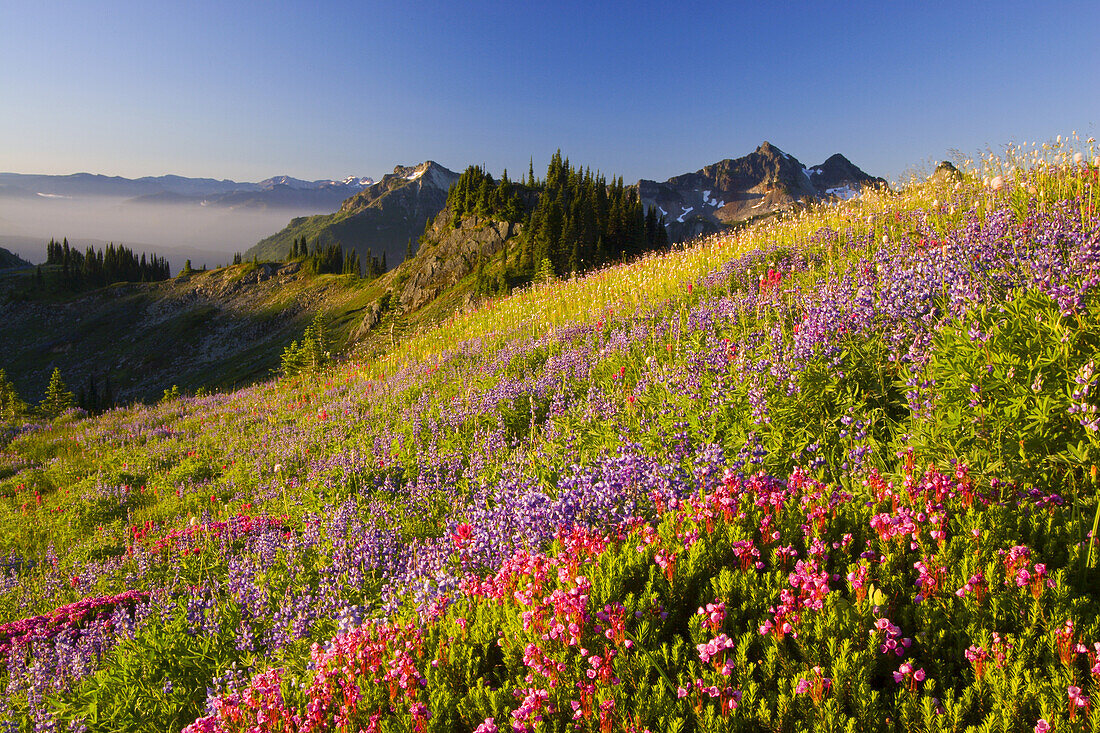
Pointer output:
x,y
833,467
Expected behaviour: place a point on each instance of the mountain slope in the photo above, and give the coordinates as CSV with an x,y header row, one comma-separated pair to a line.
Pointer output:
x,y
221,328
10,260
383,218
762,182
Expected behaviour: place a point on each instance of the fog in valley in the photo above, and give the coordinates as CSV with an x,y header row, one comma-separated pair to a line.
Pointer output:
x,y
204,234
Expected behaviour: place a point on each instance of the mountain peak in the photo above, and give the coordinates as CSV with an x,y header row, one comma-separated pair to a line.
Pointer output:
x,y
763,182
767,150
432,173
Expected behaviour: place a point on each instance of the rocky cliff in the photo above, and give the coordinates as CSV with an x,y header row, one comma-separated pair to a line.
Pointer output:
x,y
449,255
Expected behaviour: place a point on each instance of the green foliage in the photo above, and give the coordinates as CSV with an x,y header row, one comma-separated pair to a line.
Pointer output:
x,y
476,193
311,354
11,405
58,398
157,680
172,393
545,271
1004,381
334,260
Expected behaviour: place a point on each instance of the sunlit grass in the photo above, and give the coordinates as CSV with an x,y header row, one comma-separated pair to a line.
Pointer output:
x,y
1040,173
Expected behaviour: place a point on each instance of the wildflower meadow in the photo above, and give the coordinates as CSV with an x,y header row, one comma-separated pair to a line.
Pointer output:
x,y
836,470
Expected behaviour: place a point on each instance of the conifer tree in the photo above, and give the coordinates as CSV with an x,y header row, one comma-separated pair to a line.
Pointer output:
x,y
58,398
311,353
11,406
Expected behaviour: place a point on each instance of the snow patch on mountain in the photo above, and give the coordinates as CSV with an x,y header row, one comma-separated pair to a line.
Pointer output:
x,y
843,192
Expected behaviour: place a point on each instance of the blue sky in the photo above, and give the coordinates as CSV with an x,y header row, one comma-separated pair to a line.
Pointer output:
x,y
246,90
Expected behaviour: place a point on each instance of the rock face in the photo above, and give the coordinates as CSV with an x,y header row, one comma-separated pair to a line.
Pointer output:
x,y
450,255
382,218
762,182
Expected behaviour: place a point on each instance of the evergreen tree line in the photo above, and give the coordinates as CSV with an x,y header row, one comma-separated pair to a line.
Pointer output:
x,y
476,193
58,398
572,221
95,268
96,395
334,260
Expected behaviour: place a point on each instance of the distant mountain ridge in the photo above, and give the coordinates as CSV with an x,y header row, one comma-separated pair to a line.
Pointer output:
x,y
274,192
762,182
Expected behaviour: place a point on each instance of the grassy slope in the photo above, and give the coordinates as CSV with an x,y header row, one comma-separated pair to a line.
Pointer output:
x,y
402,418
215,329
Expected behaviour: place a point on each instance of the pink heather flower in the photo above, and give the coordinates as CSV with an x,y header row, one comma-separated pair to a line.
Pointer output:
x,y
919,675
802,687
1042,726
489,726
681,692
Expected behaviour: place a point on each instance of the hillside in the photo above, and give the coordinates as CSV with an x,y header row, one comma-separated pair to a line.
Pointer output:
x,y
384,218
833,471
215,329
10,260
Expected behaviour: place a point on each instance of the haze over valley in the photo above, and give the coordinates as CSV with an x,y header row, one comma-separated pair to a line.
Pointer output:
x,y
203,220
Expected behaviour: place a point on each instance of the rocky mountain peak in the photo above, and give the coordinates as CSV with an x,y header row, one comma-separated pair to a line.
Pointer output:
x,y
762,182
767,149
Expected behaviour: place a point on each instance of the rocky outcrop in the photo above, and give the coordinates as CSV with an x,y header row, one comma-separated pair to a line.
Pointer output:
x,y
762,182
450,254
372,314
946,172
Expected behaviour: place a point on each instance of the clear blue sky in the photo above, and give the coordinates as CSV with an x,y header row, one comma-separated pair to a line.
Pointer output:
x,y
246,90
